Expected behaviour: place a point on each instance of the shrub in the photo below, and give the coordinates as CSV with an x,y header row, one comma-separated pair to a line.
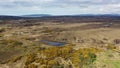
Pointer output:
x,y
84,56
2,30
11,42
111,46
32,66
48,31
16,43
16,58
30,59
116,41
79,58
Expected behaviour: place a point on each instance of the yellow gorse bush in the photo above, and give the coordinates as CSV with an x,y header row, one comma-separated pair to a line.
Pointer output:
x,y
79,58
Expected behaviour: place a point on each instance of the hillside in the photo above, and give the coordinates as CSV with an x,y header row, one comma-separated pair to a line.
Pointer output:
x,y
60,42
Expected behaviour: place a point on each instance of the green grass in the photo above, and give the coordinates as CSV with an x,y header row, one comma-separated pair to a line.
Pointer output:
x,y
113,63
108,59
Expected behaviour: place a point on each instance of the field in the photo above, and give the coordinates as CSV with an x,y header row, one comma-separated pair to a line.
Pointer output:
x,y
89,43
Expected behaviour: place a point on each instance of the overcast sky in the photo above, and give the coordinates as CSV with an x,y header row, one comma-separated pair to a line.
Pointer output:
x,y
59,7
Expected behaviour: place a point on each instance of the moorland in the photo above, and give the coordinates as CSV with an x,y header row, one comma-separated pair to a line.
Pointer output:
x,y
60,42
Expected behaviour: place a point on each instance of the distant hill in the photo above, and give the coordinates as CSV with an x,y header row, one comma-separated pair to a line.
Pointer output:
x,y
5,17
36,15
45,17
32,16
85,15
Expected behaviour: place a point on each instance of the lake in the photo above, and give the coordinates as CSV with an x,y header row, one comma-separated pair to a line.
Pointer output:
x,y
53,43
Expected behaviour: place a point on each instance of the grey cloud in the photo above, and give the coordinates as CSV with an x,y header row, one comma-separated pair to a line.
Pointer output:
x,y
56,3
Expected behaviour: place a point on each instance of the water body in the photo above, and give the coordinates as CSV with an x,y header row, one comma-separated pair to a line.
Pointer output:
x,y
53,43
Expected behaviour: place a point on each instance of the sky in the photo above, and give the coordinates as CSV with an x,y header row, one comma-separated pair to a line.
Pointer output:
x,y
59,7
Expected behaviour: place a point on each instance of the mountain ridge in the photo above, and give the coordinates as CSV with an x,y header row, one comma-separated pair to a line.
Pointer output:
x,y
34,16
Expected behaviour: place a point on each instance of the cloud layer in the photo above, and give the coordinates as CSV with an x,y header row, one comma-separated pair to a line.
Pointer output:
x,y
60,6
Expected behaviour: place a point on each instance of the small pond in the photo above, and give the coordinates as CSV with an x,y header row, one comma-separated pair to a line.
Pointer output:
x,y
53,43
